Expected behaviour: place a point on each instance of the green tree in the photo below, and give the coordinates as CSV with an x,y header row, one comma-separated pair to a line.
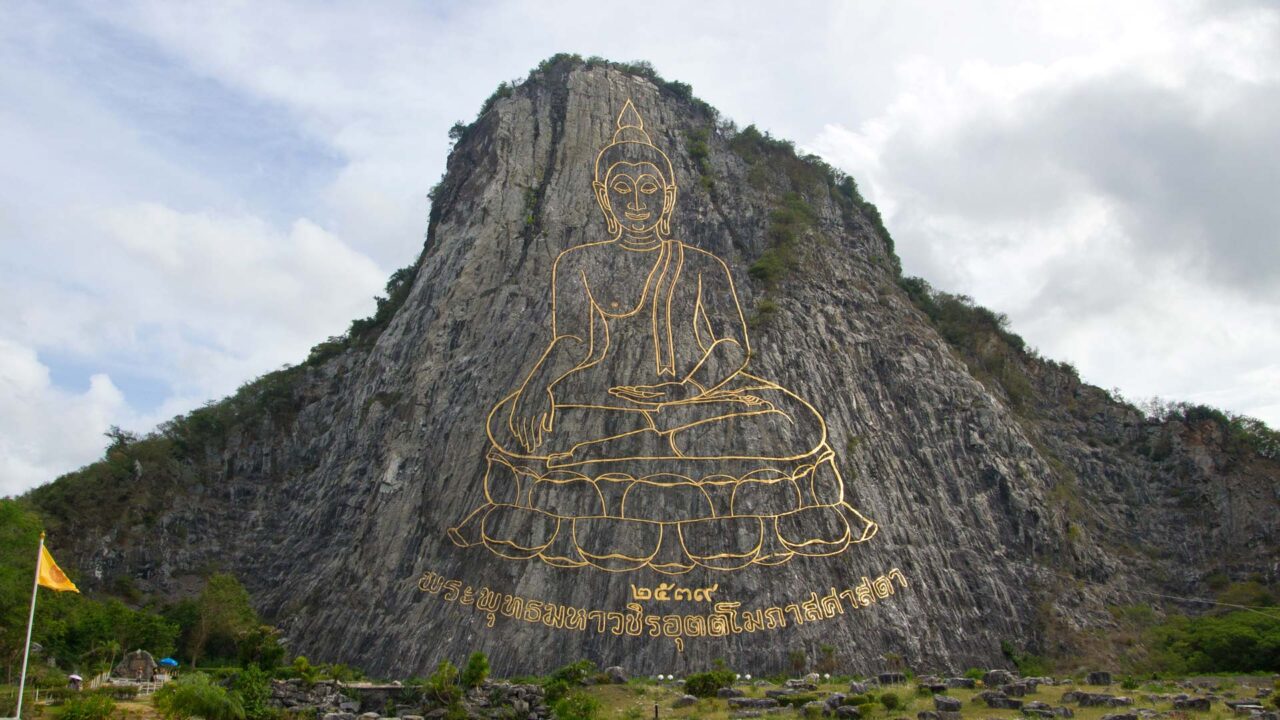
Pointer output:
x,y
19,535
476,670
223,616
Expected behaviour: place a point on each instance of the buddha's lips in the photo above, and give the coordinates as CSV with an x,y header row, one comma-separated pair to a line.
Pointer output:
x,y
638,218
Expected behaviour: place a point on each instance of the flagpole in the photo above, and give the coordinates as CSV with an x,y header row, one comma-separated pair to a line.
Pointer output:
x,y
31,617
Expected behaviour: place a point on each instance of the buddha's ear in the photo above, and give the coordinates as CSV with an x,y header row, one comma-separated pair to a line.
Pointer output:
x,y
602,199
668,207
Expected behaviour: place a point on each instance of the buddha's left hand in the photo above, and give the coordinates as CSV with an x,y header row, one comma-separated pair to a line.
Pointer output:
x,y
660,394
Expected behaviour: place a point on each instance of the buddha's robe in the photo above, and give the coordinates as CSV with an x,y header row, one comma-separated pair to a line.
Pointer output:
x,y
687,319
739,474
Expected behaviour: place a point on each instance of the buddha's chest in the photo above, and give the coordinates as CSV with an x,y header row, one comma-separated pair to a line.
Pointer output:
x,y
622,287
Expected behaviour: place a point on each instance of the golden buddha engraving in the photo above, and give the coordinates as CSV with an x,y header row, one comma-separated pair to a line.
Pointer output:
x,y
638,439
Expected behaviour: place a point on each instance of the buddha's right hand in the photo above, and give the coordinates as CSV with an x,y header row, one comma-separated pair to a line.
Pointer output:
x,y
532,417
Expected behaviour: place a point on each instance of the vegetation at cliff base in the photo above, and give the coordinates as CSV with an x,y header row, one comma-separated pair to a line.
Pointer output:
x,y
88,634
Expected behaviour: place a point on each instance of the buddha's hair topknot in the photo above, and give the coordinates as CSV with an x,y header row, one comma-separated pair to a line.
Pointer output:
x,y
632,144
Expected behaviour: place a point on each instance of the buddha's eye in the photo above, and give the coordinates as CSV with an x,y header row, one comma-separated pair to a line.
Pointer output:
x,y
649,188
621,188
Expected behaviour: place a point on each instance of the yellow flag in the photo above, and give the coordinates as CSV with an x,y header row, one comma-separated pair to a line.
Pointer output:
x,y
51,576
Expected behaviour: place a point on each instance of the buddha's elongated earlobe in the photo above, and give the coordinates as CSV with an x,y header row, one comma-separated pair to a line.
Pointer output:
x,y
602,199
669,203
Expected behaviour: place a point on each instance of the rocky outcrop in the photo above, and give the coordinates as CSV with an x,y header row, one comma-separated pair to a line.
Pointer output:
x,y
1008,514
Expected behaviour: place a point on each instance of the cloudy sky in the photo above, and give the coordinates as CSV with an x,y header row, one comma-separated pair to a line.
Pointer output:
x,y
194,194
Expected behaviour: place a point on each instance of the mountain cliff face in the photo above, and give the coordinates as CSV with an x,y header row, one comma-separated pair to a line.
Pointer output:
x,y
1015,502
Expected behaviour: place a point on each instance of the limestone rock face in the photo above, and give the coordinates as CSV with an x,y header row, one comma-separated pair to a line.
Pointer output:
x,y
334,515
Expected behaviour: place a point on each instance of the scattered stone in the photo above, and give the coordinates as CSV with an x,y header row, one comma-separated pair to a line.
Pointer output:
x,y
684,701
859,688
815,707
891,678
1093,699
746,702
1098,677
338,716
945,703
1192,703
834,700
1121,716
616,675
800,684
1120,701
1004,703
1030,712
729,692
962,682
813,678
848,712
1247,710
1036,705
996,678
1064,712
1015,689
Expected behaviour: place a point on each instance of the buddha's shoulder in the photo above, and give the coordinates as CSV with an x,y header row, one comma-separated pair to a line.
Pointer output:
x,y
698,258
578,253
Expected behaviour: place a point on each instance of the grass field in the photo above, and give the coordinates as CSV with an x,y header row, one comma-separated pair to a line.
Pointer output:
x,y
636,699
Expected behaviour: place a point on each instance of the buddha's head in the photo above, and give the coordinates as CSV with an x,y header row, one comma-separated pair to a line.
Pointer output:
x,y
635,184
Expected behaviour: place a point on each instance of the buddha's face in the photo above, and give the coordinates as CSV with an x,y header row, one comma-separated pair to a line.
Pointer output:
x,y
638,196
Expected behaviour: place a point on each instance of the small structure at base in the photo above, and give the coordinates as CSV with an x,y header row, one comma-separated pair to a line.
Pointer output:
x,y
138,666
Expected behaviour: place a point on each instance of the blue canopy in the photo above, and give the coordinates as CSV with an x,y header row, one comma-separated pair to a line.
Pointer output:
x,y
170,662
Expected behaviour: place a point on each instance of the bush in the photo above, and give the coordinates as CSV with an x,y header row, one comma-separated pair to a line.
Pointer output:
x,y
476,671
254,688
576,706
574,673
197,696
88,706
442,687
798,700
706,684
975,673
1241,641
121,692
890,701
559,683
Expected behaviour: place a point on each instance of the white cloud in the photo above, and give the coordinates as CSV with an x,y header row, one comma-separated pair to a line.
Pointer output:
x,y
1113,202
45,431
198,302
193,194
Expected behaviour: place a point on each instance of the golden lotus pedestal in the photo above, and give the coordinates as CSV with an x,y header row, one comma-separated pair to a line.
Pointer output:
x,y
671,515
